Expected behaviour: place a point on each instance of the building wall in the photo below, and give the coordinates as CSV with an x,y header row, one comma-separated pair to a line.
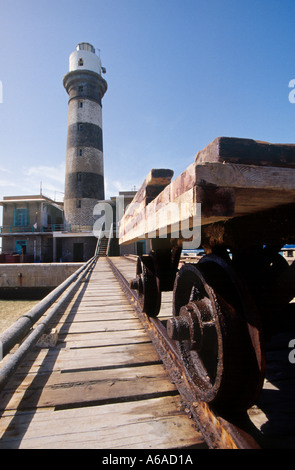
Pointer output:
x,y
31,207
82,216
38,248
36,275
50,215
89,112
65,247
33,280
43,213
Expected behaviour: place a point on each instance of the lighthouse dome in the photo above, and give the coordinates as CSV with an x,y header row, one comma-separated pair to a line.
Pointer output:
x,y
85,58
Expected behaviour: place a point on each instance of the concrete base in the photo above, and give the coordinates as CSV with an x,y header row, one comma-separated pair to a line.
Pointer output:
x,y
33,280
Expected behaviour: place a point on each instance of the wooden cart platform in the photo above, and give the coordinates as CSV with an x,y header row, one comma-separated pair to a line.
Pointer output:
x,y
231,178
236,201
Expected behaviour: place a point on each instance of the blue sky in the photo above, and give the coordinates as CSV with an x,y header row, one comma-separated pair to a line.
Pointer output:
x,y
180,73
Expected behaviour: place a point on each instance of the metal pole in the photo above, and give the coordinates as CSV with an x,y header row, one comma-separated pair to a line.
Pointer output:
x,y
16,332
13,362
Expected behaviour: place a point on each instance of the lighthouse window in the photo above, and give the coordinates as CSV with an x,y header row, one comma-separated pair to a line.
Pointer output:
x,y
80,127
79,152
80,88
78,203
80,104
80,63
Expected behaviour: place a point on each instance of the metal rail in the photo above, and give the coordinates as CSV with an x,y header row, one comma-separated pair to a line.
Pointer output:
x,y
236,432
20,329
109,240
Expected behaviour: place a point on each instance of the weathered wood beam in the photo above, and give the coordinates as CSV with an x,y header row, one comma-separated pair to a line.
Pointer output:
x,y
224,180
146,219
248,152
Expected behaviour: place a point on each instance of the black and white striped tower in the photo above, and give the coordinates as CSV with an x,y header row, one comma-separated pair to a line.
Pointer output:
x,y
84,179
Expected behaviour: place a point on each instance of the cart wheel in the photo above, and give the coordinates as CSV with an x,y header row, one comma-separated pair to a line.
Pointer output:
x,y
146,283
219,345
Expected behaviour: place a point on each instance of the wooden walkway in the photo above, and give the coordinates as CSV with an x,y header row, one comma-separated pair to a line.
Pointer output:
x,y
102,385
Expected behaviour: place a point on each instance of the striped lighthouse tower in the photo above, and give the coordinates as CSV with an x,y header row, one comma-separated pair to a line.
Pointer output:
x,y
84,179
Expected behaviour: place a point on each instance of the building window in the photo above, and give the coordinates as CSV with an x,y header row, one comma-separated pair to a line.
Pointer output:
x,y
80,88
20,217
79,176
79,152
78,203
80,127
80,63
80,104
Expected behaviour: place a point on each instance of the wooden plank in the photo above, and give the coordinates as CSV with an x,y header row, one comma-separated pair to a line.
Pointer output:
x,y
96,387
159,423
230,190
166,309
126,267
223,183
94,315
174,203
107,325
92,358
245,176
21,382
248,152
153,184
106,338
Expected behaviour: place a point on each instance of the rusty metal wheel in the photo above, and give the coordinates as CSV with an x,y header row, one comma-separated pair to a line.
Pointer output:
x,y
219,343
147,285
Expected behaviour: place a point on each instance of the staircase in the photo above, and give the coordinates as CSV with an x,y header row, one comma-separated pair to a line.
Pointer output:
x,y
103,246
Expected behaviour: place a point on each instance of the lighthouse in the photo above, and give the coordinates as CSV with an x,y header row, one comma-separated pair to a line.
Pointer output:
x,y
84,177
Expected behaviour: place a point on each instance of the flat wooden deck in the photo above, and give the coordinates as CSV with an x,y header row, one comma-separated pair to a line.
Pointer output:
x,y
102,385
